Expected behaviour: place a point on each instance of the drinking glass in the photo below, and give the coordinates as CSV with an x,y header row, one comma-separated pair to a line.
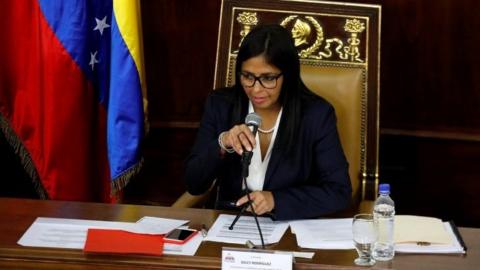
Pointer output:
x,y
364,237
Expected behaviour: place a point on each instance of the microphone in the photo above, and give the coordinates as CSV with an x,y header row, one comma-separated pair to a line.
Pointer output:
x,y
252,120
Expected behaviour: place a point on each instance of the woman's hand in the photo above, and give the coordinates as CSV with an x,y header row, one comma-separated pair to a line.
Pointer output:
x,y
262,202
239,137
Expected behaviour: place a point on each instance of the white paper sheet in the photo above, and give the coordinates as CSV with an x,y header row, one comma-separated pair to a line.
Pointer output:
x,y
72,233
246,229
323,233
156,225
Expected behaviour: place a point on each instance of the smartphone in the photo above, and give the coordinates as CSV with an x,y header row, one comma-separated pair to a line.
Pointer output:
x,y
179,236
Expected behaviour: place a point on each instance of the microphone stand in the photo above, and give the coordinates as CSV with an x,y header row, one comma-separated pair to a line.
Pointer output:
x,y
246,157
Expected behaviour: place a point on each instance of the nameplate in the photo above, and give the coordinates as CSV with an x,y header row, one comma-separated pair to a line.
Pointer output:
x,y
255,259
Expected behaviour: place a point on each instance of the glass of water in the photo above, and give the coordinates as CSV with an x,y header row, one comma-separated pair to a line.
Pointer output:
x,y
364,237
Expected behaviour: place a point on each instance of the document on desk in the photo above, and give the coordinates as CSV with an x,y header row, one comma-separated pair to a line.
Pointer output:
x,y
156,225
66,233
246,229
72,233
417,234
323,233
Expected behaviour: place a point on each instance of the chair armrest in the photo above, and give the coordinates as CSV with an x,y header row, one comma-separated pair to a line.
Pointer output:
x,y
188,200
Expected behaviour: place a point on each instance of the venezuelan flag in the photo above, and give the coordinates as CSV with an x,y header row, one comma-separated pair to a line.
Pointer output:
x,y
72,93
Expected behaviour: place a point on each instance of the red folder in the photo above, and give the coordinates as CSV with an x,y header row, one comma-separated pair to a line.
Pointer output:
x,y
118,241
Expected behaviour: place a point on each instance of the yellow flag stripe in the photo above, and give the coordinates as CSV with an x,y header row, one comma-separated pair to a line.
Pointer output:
x,y
128,18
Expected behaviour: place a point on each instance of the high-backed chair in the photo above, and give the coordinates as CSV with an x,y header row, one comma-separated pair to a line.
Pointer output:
x,y
339,49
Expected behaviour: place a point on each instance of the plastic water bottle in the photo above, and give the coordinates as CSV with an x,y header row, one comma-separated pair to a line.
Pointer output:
x,y
383,215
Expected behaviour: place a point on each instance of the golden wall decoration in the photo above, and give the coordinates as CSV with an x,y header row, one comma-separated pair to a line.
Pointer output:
x,y
247,20
354,27
309,36
301,32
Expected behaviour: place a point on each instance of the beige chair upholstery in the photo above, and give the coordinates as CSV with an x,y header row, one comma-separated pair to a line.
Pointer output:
x,y
339,49
343,89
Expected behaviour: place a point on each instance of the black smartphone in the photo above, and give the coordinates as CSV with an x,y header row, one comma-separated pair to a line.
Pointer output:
x,y
179,236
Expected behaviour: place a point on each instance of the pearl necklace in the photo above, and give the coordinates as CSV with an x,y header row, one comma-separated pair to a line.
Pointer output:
x,y
266,131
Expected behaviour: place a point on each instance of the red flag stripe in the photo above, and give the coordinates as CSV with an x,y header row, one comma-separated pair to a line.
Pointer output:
x,y
52,107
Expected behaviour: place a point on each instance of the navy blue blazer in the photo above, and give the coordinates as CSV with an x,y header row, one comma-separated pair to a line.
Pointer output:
x,y
310,181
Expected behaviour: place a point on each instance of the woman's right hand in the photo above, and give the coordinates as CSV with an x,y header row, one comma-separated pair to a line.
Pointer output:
x,y
239,137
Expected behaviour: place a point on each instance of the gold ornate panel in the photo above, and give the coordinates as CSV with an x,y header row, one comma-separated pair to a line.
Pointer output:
x,y
313,37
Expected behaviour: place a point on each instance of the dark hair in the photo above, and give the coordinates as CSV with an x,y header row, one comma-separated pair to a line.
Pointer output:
x,y
276,44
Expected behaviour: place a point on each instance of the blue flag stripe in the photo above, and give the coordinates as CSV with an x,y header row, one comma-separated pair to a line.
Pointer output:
x,y
125,122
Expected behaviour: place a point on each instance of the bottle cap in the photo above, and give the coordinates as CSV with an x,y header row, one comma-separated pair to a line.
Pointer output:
x,y
384,188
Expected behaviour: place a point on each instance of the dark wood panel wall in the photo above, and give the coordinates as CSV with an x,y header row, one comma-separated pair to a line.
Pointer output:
x,y
180,40
430,107
430,72
430,101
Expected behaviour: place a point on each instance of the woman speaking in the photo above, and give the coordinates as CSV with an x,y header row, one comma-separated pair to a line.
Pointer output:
x,y
298,168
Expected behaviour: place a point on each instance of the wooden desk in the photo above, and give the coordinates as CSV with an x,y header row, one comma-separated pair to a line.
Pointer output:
x,y
16,215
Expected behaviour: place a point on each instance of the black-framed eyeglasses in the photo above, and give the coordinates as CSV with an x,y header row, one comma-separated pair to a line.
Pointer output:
x,y
267,81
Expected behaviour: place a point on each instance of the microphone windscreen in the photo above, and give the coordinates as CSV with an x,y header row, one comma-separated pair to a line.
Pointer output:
x,y
253,119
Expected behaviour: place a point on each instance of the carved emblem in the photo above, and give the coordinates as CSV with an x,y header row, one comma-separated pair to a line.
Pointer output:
x,y
354,27
308,35
301,33
247,20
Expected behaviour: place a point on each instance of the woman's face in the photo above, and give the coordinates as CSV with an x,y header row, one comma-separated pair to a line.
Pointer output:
x,y
262,82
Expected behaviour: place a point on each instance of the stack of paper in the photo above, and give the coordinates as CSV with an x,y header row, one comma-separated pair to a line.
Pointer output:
x,y
72,233
412,234
246,229
323,233
416,234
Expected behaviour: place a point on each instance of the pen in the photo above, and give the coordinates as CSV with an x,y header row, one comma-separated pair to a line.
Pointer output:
x,y
458,235
204,230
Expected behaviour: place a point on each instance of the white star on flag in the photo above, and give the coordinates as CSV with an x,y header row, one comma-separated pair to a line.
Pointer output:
x,y
93,59
101,25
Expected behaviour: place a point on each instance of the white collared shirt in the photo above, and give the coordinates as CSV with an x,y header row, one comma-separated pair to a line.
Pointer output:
x,y
258,168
